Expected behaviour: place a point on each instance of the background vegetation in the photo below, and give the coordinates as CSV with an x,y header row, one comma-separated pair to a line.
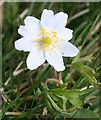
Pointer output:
x,y
24,92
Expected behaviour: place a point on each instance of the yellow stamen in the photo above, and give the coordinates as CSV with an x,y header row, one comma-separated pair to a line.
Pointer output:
x,y
49,39
46,41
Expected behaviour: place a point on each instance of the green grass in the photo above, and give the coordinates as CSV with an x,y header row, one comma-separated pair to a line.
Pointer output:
x,y
24,92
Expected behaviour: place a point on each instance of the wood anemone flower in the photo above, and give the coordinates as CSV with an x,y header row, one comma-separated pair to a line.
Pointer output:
x,y
46,39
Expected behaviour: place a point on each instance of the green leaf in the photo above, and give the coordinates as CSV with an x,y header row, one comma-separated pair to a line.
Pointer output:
x,y
87,72
76,102
65,114
62,86
83,59
67,93
48,104
85,113
71,95
54,104
64,101
86,91
55,97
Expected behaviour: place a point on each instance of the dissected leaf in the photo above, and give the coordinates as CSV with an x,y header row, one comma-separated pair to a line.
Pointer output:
x,y
54,104
48,104
87,72
85,113
62,86
67,115
86,91
64,99
76,102
71,95
83,59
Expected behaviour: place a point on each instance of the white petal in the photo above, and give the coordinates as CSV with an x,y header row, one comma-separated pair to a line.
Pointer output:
x,y
60,20
35,59
32,24
55,59
67,49
22,30
65,34
24,44
47,19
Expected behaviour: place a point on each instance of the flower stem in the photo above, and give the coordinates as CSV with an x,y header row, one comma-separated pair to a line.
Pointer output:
x,y
60,78
51,80
55,74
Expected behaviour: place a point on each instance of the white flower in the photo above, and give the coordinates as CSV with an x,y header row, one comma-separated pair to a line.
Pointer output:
x,y
46,39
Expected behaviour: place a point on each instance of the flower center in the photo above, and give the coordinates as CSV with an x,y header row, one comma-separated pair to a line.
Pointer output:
x,y
49,39
46,41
